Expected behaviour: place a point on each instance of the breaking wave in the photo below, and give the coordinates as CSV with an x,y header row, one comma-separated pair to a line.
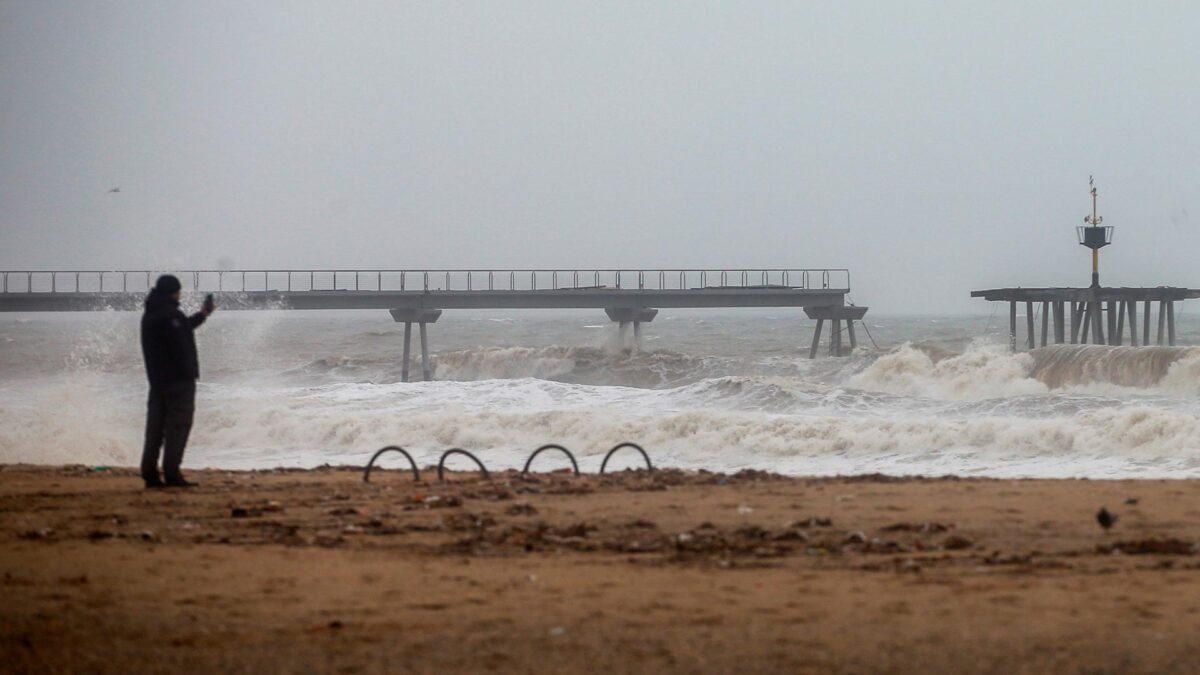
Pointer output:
x,y
294,392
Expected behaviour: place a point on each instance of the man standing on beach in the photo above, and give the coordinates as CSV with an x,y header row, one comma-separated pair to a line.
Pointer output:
x,y
169,349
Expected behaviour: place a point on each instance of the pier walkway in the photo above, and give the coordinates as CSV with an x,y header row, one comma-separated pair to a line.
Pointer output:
x,y
629,297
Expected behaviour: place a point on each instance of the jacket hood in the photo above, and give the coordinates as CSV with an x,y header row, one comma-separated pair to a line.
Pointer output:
x,y
157,300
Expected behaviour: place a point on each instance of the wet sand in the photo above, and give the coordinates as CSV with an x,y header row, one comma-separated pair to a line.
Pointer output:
x,y
315,571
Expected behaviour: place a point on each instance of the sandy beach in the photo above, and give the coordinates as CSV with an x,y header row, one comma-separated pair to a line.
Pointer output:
x,y
315,571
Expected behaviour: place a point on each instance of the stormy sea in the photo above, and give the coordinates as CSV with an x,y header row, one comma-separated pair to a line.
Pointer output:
x,y
719,390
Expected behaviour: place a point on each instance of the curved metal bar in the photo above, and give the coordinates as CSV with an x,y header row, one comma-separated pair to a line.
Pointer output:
x,y
552,446
460,451
415,471
617,447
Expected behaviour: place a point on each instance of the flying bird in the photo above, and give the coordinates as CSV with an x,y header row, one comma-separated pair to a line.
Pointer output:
x,y
114,190
1106,519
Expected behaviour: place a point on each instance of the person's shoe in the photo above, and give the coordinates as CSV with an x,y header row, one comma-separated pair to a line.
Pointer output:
x,y
154,484
180,482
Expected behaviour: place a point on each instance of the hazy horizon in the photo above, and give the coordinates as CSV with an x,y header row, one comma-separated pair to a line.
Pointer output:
x,y
932,148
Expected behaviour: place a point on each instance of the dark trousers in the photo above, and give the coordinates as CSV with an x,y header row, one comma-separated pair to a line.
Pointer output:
x,y
168,422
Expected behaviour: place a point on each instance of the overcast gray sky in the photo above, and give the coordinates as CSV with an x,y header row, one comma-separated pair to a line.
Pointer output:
x,y
932,148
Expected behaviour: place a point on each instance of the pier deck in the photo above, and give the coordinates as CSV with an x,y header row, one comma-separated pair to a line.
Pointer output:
x,y
1096,311
628,297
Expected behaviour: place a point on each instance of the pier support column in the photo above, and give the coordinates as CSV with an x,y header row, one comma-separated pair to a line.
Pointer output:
x,y
1147,309
1133,323
1045,321
1086,319
850,331
426,371
420,317
835,338
1171,322
1162,321
1060,327
1032,339
1117,335
407,348
630,315
1097,310
1075,312
816,342
1012,326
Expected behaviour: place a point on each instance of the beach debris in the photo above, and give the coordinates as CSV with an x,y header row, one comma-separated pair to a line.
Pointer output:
x,y
147,535
957,542
744,510
926,527
1131,501
557,631
521,509
432,501
1153,546
243,512
1106,519
812,521
855,538
97,535
40,533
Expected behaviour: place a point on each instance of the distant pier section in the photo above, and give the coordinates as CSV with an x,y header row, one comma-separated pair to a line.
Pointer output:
x,y
629,297
1094,314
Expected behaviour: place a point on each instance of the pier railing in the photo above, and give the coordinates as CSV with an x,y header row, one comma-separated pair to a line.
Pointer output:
x,y
281,280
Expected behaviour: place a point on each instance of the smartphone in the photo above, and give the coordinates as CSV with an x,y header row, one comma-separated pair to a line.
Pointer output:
x,y
209,305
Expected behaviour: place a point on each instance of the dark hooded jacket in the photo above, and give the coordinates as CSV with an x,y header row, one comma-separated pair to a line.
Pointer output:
x,y
168,345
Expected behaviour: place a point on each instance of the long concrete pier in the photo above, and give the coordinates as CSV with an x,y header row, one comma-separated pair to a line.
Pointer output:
x,y
1092,315
628,297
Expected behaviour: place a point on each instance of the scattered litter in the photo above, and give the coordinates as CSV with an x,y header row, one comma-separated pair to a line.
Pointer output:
x,y
957,542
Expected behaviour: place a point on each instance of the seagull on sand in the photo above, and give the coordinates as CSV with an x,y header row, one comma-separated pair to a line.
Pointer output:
x,y
1106,519
114,190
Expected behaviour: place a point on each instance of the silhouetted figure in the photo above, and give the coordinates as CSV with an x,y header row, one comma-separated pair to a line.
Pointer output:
x,y
1106,519
114,191
169,349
